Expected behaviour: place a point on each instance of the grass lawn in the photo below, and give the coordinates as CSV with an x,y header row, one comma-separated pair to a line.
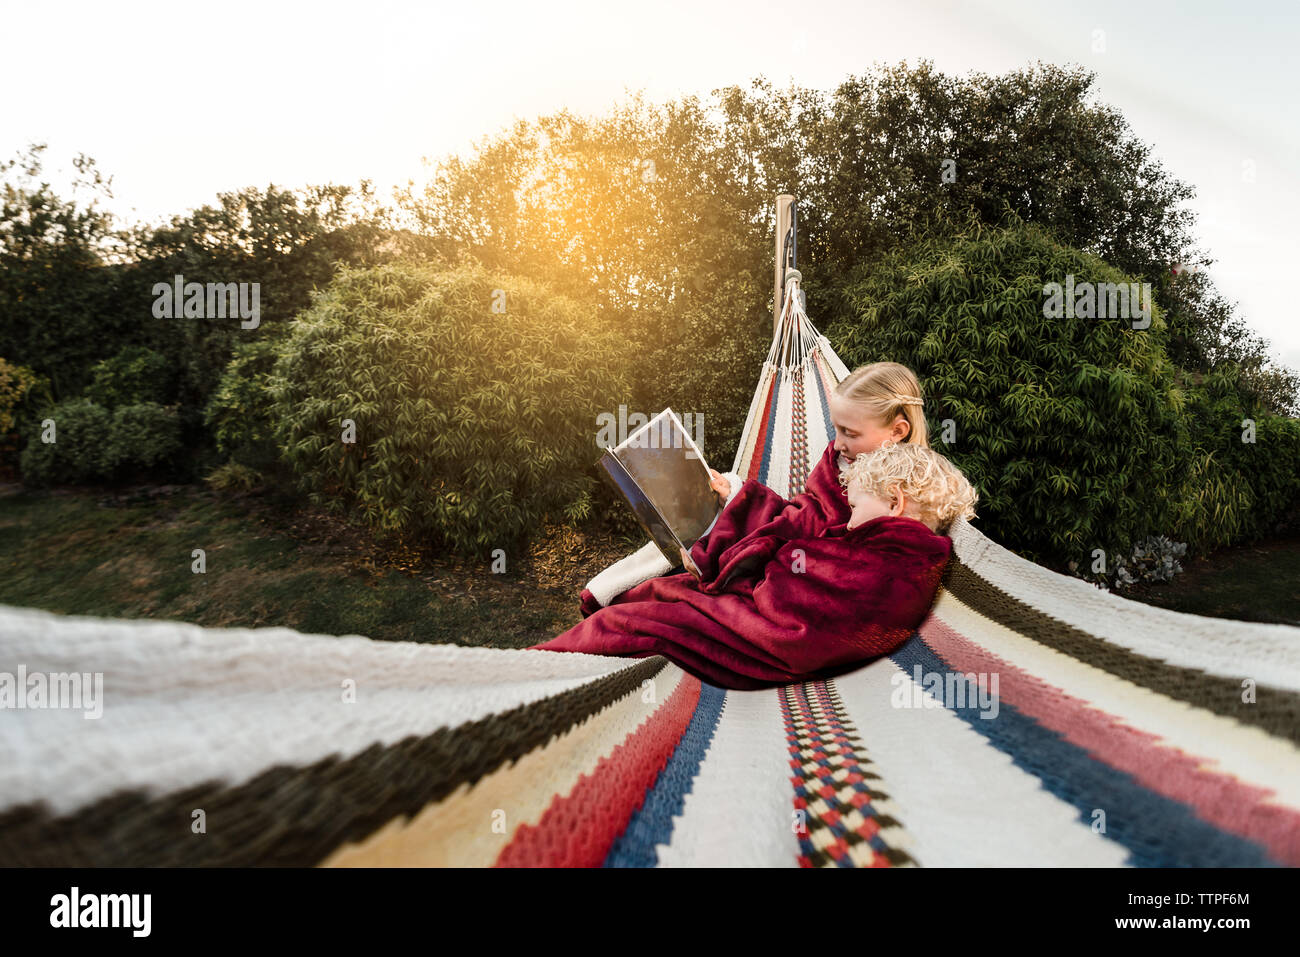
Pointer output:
x,y
128,555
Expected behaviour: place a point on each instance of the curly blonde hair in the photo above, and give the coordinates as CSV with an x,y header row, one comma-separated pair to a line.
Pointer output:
x,y
885,390
939,489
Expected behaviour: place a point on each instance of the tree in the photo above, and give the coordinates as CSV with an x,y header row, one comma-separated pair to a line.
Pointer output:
x,y
662,216
55,275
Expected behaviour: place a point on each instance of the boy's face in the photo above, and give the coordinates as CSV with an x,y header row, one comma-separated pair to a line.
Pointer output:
x,y
866,505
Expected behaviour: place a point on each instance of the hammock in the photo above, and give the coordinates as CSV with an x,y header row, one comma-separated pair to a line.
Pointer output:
x,y
1031,720
789,421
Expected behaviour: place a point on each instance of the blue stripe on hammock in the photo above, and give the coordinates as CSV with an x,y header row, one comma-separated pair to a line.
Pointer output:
x,y
826,408
1158,831
765,464
652,823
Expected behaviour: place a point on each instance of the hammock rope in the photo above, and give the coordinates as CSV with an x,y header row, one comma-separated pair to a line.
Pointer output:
x,y
789,420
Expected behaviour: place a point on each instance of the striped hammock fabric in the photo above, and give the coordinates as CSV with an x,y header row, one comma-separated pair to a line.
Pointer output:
x,y
1031,720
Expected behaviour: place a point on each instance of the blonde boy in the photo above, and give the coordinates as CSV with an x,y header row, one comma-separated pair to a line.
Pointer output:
x,y
913,481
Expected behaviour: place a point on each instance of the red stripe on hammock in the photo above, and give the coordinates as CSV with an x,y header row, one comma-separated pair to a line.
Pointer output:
x,y
578,829
764,423
1219,799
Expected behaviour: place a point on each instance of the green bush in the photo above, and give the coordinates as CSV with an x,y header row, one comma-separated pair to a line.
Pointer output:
x,y
472,426
15,383
1272,465
233,477
23,393
143,438
287,242
1072,429
133,375
1244,480
81,432
240,412
58,285
92,444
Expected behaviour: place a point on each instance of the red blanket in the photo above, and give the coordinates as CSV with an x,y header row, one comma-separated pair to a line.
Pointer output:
x,y
787,593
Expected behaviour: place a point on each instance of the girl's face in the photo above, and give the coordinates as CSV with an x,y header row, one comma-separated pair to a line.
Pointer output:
x,y
856,432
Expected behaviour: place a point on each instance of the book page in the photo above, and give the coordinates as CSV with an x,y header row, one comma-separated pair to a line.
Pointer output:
x,y
643,508
668,467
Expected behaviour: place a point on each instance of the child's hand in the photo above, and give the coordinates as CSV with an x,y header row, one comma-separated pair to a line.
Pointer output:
x,y
689,564
720,484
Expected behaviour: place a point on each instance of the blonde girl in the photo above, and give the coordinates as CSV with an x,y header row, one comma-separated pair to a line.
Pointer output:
x,y
876,403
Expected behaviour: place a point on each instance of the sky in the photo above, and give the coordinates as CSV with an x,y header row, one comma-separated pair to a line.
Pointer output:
x,y
179,103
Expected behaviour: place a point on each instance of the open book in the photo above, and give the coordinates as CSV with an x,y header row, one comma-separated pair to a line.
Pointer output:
x,y
662,474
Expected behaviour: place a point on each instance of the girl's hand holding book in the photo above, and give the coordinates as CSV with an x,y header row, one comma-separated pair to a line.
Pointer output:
x,y
720,484
689,564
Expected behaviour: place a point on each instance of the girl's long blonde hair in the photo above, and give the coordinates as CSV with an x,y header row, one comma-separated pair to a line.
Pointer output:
x,y
884,390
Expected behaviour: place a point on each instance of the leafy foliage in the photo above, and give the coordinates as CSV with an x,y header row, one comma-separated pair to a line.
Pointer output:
x,y
135,374
56,287
661,216
19,386
22,392
1207,336
471,425
1244,482
287,242
1069,427
92,444
76,289
654,216
233,477
79,452
241,410
144,438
